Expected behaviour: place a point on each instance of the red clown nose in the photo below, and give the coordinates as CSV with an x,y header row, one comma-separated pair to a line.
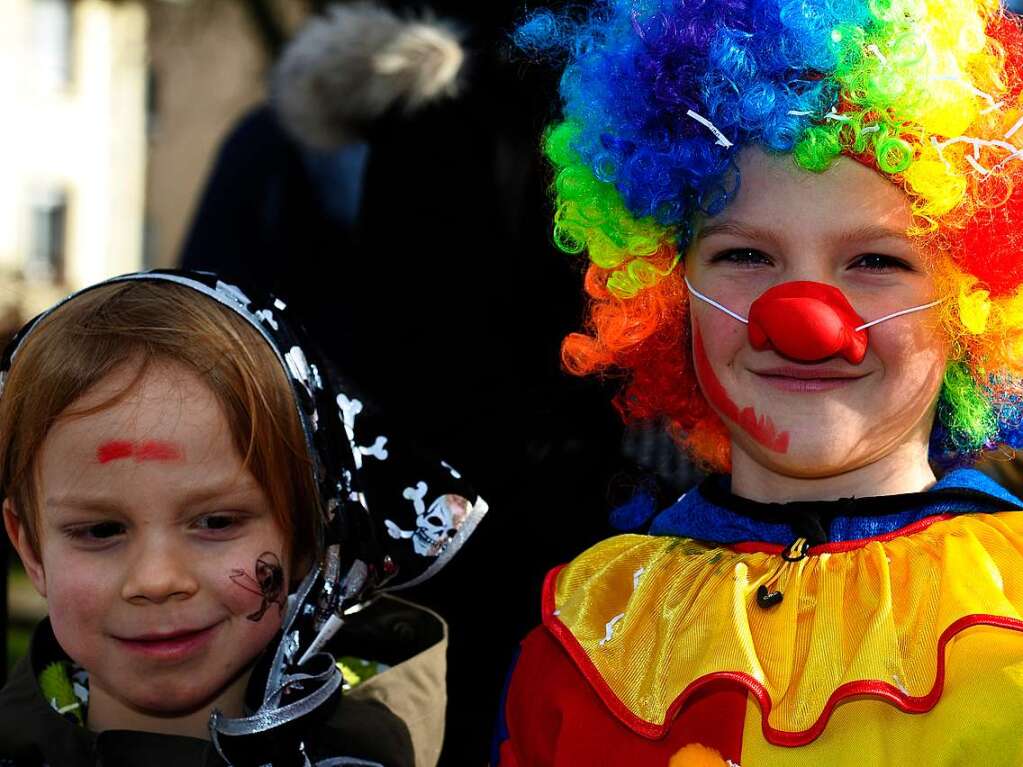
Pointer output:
x,y
807,321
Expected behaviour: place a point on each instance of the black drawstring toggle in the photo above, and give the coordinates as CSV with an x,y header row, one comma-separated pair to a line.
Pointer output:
x,y
767,596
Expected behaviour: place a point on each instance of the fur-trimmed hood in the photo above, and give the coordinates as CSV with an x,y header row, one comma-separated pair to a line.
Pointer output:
x,y
357,62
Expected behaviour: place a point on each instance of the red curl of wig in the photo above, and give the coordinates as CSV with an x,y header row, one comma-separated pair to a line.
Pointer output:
x,y
646,339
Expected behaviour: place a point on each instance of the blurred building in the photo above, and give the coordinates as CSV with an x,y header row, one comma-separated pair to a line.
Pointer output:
x,y
208,67
72,147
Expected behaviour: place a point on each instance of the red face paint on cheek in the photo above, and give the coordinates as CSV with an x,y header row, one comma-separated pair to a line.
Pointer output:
x,y
149,450
761,428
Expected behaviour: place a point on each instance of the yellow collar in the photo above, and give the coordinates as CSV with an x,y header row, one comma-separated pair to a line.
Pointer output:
x,y
651,619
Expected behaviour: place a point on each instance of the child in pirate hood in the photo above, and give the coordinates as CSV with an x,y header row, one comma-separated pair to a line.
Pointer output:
x,y
207,515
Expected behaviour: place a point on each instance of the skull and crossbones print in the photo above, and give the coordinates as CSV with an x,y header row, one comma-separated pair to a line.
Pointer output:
x,y
436,524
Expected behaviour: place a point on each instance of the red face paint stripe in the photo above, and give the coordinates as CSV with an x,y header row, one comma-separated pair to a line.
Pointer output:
x,y
150,450
157,451
114,450
761,428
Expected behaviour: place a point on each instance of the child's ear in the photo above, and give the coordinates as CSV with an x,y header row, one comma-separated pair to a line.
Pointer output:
x,y
16,532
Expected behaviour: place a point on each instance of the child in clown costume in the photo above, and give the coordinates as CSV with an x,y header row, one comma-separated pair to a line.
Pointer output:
x,y
800,217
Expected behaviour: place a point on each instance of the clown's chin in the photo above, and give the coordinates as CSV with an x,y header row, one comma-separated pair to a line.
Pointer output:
x,y
822,445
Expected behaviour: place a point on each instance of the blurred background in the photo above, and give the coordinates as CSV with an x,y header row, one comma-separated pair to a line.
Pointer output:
x,y
112,112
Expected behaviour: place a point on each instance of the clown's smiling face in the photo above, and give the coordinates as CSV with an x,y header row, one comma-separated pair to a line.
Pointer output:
x,y
788,418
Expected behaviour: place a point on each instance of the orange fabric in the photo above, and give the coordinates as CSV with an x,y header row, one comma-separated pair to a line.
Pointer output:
x,y
695,755
650,620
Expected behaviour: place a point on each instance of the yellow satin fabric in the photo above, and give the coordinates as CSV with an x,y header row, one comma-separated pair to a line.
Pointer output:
x,y
873,613
978,720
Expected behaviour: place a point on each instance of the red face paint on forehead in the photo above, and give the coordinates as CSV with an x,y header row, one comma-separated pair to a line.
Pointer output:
x,y
148,450
153,450
114,450
761,428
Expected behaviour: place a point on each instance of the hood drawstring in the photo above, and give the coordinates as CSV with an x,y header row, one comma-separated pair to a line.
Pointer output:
x,y
770,593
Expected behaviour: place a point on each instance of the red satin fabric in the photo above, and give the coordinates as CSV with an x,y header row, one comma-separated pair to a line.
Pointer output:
x,y
556,719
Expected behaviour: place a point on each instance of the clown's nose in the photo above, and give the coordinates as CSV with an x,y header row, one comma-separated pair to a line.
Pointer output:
x,y
807,322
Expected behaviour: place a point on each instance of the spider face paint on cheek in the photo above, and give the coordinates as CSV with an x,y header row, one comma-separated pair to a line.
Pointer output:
x,y
268,583
146,450
761,428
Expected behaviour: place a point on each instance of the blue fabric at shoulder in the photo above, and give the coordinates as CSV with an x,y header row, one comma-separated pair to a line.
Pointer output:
x,y
635,513
972,479
694,516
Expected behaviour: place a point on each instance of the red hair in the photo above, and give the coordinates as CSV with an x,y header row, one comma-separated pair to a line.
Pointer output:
x,y
646,339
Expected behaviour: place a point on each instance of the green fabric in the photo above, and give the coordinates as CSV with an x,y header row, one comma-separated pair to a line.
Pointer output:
x,y
55,684
357,670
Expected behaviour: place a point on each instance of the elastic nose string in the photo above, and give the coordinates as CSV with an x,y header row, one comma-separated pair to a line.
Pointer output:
x,y
712,302
910,310
864,326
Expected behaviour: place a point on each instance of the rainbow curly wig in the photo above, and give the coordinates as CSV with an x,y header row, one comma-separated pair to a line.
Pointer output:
x,y
659,96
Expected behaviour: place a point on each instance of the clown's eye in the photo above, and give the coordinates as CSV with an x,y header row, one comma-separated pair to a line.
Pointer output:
x,y
878,262
741,257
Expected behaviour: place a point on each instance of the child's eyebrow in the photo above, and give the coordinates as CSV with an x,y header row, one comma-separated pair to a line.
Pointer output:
x,y
873,232
82,503
738,229
232,488
866,233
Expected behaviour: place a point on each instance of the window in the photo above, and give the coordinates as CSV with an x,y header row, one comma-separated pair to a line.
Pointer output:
x,y
52,35
150,242
48,238
152,101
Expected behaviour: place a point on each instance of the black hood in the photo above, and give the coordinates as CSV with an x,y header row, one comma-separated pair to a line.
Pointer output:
x,y
377,489
390,517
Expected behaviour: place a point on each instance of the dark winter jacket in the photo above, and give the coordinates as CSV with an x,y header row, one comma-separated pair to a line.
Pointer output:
x,y
408,639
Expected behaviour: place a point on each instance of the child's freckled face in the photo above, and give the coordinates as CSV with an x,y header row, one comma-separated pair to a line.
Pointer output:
x,y
844,227
146,512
